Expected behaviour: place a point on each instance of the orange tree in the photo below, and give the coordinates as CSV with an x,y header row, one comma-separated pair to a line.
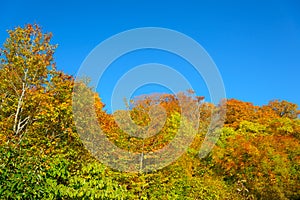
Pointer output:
x,y
260,153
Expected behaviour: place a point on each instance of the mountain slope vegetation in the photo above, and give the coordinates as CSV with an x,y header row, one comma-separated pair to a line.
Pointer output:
x,y
43,157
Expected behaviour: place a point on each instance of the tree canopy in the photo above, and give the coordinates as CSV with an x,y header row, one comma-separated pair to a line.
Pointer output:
x,y
43,157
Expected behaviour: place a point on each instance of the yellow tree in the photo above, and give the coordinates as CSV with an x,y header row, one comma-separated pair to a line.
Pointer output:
x,y
25,69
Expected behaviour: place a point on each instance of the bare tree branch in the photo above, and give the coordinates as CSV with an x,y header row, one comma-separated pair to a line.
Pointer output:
x,y
19,123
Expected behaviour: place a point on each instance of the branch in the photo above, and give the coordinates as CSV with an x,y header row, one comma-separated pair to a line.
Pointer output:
x,y
17,123
22,124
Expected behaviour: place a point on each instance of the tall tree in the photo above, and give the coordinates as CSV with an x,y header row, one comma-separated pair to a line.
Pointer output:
x,y
25,69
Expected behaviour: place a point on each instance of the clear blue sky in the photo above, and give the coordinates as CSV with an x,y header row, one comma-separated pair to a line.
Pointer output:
x,y
255,44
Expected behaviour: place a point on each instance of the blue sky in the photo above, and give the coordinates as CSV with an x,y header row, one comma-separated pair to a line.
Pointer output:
x,y
255,44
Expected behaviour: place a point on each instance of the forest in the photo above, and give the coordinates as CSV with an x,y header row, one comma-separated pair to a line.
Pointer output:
x,y
257,155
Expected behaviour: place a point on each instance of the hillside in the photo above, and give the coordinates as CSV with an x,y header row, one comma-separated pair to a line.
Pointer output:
x,y
49,153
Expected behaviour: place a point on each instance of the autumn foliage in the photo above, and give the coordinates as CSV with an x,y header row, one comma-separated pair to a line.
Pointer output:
x,y
42,156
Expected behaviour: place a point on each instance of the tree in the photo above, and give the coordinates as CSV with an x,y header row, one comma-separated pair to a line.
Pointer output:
x,y
26,66
284,108
237,111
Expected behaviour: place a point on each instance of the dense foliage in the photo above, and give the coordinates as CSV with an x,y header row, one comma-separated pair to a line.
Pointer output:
x,y
42,155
